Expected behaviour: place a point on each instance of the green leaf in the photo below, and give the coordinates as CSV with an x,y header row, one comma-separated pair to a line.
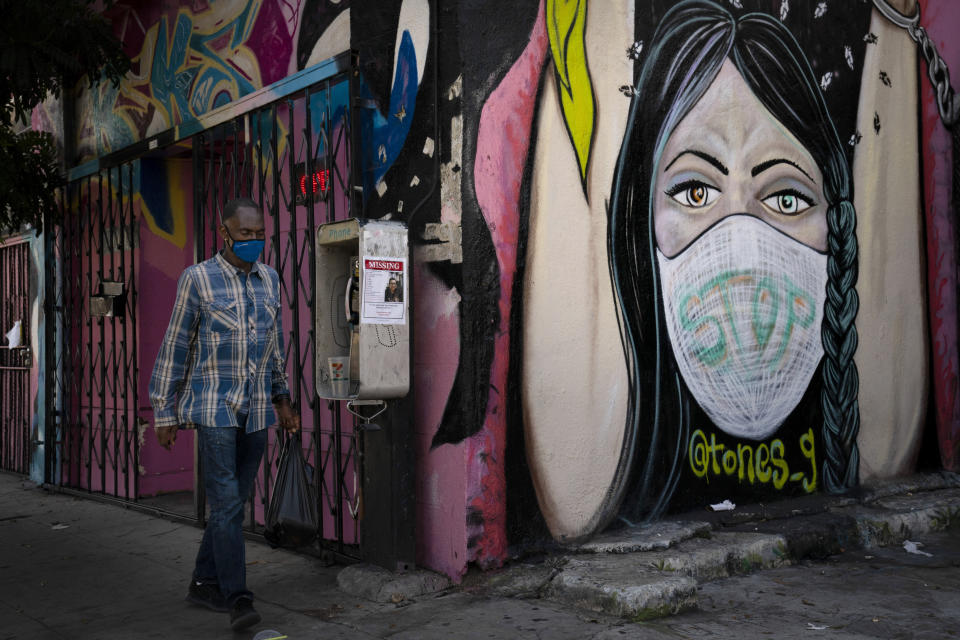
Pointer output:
x,y
29,177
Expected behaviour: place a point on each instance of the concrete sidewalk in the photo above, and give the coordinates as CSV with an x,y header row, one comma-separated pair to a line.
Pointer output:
x,y
77,568
73,568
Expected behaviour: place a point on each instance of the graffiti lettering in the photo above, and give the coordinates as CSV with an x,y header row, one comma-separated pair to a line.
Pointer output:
x,y
764,463
806,446
764,311
186,64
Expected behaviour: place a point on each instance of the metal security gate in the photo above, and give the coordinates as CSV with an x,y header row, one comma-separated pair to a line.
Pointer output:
x,y
294,157
16,362
96,249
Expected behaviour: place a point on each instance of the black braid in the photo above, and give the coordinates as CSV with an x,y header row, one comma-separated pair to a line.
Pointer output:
x,y
772,80
841,411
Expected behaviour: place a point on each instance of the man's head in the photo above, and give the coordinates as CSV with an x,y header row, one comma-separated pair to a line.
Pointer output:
x,y
242,222
392,284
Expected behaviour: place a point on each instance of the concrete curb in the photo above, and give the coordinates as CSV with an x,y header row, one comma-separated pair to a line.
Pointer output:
x,y
654,571
626,588
646,585
379,585
891,520
663,536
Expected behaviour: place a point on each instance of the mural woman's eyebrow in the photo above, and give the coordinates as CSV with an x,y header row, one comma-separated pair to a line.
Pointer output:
x,y
763,166
702,155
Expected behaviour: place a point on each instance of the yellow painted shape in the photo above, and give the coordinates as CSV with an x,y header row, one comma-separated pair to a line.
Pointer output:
x,y
566,27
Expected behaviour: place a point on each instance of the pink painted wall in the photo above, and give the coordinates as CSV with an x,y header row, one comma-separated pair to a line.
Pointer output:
x,y
441,481
164,254
942,20
502,144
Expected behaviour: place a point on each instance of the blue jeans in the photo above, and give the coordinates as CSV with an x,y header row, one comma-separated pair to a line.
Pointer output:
x,y
230,459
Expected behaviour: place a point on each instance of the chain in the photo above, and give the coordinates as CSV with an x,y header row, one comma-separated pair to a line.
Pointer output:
x,y
936,68
391,336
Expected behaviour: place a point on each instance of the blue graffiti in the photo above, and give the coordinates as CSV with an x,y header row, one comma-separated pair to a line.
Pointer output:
x,y
154,190
172,84
166,83
335,102
384,135
211,76
108,132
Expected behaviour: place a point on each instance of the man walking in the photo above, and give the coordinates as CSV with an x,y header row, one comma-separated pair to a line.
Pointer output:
x,y
219,368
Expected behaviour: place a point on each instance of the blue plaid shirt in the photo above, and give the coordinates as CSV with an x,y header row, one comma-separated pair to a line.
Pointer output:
x,y
222,355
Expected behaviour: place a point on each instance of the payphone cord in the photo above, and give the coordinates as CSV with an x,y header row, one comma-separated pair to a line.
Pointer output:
x,y
353,406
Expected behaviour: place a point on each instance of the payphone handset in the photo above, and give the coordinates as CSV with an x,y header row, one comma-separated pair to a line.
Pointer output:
x,y
352,311
351,298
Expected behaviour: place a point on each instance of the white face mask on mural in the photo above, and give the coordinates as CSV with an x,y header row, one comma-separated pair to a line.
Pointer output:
x,y
744,304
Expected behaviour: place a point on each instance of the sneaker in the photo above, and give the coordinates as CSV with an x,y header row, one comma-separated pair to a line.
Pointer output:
x,y
243,615
206,594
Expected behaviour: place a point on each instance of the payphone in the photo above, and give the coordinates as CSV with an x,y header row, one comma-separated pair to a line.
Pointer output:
x,y
363,313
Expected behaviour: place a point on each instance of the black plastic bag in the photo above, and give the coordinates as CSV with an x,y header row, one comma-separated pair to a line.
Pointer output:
x,y
292,517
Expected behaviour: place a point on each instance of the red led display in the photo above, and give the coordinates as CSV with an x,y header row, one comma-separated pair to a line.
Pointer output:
x,y
320,183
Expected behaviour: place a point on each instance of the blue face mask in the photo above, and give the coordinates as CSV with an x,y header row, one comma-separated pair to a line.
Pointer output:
x,y
246,250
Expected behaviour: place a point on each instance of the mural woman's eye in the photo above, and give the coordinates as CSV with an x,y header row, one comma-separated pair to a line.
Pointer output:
x,y
788,202
693,193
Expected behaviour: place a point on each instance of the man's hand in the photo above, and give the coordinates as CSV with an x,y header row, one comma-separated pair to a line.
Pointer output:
x,y
166,436
289,420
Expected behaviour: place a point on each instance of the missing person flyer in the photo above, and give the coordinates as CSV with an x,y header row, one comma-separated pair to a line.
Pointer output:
x,y
384,290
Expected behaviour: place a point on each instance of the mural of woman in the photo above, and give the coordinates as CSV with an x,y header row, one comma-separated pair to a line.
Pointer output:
x,y
732,244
